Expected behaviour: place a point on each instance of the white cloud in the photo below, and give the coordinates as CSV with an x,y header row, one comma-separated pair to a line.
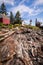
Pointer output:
x,y
26,21
23,9
11,2
23,1
36,12
38,2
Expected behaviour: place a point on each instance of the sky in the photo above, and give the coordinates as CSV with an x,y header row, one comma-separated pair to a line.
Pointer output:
x,y
29,9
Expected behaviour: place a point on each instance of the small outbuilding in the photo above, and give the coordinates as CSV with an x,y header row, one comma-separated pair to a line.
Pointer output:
x,y
4,19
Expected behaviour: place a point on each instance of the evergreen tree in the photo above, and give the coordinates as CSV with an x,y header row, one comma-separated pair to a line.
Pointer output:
x,y
3,9
18,18
37,23
0,9
11,18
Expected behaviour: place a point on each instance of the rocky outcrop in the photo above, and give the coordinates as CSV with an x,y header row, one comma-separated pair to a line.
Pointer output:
x,y
24,47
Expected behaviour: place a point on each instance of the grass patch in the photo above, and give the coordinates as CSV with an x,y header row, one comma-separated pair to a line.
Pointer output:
x,y
32,27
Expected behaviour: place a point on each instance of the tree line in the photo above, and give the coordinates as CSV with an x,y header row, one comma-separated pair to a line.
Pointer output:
x,y
17,19
13,20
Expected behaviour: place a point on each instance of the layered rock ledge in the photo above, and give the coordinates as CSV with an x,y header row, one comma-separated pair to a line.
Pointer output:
x,y
24,47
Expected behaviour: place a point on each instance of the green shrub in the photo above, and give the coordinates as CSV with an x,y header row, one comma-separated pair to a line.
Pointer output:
x,y
17,25
1,25
32,27
10,26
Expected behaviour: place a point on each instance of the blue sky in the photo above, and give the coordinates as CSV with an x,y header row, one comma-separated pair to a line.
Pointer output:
x,y
29,9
